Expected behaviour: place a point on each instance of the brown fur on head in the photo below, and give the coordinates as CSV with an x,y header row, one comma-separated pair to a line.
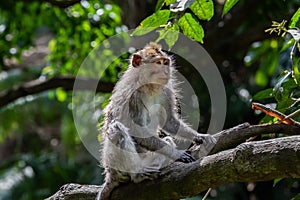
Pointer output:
x,y
151,53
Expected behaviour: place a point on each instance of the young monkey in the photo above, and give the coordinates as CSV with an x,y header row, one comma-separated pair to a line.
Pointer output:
x,y
143,103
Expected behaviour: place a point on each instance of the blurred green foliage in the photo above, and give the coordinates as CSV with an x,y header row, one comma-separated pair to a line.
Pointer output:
x,y
283,74
40,141
39,146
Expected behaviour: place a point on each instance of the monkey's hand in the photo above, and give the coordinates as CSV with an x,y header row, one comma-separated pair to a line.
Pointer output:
x,y
202,145
186,158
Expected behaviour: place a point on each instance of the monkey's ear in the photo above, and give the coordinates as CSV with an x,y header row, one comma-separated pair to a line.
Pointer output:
x,y
136,60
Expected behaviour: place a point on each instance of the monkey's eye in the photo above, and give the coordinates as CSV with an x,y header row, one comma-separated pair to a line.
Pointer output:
x,y
162,61
158,62
166,62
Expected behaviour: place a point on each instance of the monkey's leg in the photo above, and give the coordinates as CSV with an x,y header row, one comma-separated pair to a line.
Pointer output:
x,y
122,160
157,160
107,187
154,161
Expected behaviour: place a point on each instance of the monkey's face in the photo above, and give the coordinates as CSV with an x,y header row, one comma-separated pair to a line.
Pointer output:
x,y
155,71
152,65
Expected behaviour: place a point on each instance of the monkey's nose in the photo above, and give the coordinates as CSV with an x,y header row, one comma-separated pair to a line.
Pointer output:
x,y
166,71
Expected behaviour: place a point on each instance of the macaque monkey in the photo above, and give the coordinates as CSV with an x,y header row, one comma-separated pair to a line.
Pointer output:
x,y
142,104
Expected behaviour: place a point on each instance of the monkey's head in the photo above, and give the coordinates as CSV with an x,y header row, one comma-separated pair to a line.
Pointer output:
x,y
152,64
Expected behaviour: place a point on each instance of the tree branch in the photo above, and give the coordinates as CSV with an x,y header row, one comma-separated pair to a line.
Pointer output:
x,y
58,3
39,85
230,138
250,161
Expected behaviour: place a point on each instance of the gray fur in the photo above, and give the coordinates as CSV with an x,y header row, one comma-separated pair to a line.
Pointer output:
x,y
143,103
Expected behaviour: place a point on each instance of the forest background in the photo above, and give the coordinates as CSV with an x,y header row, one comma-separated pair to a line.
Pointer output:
x,y
44,42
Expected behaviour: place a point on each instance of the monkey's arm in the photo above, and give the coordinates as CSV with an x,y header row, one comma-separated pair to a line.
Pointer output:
x,y
153,143
179,129
203,143
172,124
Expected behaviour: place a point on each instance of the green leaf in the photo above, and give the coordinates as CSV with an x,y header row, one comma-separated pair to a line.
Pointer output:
x,y
204,9
61,94
277,180
261,78
152,22
191,27
86,26
284,86
264,94
169,34
168,2
284,105
288,44
228,5
159,5
295,18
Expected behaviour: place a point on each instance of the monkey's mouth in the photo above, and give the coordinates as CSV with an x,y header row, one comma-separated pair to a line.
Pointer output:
x,y
162,77
163,80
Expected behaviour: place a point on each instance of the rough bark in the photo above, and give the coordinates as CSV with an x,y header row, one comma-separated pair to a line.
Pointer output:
x,y
249,161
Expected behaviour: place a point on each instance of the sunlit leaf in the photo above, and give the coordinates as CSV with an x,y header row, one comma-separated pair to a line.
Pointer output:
x,y
295,18
86,26
277,180
228,5
169,34
152,22
48,71
168,2
204,9
191,27
159,5
261,79
61,94
52,45
287,45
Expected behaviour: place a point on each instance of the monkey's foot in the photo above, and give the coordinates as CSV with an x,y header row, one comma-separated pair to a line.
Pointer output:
x,y
186,157
149,173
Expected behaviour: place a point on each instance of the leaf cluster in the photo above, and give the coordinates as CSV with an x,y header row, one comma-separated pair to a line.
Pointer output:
x,y
184,16
284,95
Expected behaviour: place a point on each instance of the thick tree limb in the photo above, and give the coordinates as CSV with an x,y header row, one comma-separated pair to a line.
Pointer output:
x,y
39,85
250,161
58,3
232,137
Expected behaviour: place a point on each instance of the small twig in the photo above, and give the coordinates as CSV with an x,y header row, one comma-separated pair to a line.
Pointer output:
x,y
292,58
278,28
206,194
295,32
274,113
292,114
281,30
